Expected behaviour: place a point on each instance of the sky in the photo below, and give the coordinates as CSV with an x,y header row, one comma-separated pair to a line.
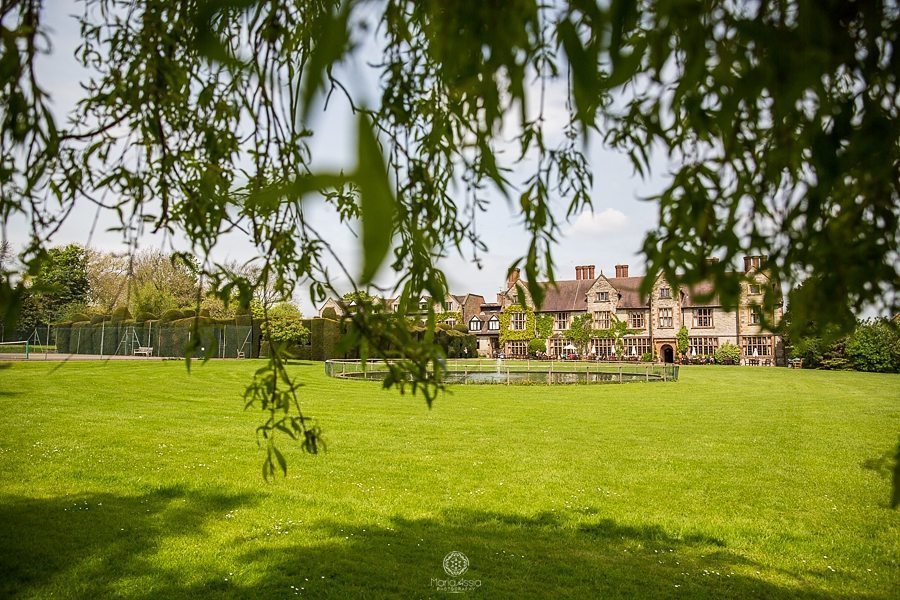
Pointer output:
x,y
612,233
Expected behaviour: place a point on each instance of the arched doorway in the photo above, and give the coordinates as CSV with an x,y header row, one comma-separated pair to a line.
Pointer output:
x,y
668,354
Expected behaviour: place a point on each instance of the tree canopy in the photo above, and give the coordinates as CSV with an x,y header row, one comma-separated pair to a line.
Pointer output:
x,y
780,120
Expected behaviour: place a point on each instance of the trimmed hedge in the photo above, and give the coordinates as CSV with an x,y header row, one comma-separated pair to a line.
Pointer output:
x,y
172,314
120,314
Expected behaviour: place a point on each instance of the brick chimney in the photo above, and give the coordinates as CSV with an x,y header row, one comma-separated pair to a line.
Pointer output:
x,y
584,272
754,262
621,270
512,278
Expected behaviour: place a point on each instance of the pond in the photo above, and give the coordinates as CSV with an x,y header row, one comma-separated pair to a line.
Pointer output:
x,y
512,377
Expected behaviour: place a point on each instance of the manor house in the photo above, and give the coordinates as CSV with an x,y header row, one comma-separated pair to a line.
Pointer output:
x,y
653,320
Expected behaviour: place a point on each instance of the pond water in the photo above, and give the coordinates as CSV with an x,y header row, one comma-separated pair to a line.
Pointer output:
x,y
524,377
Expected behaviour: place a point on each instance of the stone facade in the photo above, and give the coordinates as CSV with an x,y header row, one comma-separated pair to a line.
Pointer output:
x,y
655,320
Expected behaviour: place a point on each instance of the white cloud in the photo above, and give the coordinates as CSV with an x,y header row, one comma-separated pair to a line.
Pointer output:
x,y
607,221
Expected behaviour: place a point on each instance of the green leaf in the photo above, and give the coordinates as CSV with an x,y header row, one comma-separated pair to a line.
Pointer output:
x,y
377,202
281,460
328,49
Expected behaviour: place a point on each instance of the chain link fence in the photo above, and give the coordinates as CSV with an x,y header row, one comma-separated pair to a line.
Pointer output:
x,y
153,338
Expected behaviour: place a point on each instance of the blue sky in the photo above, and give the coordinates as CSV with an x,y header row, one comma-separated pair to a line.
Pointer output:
x,y
611,234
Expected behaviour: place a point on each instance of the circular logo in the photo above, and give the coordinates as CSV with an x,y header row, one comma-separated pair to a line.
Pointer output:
x,y
455,564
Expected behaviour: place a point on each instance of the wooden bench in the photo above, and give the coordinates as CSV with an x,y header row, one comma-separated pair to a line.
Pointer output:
x,y
143,351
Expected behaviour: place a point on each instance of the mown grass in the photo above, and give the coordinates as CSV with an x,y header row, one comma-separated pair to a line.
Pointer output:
x,y
141,480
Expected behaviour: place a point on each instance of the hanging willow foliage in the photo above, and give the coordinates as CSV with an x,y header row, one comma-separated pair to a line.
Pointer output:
x,y
780,120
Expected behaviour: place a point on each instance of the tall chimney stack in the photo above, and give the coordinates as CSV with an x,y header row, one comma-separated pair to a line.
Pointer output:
x,y
621,270
512,278
584,272
757,262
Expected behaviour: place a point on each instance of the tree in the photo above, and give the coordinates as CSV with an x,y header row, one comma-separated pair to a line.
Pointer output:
x,y
108,280
875,346
617,331
579,332
682,340
197,118
283,324
60,283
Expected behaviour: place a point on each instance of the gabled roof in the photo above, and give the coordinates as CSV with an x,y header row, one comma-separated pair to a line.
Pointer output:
x,y
629,291
704,289
563,295
484,318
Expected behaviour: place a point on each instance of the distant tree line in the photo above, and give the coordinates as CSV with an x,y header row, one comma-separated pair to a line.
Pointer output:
x,y
76,284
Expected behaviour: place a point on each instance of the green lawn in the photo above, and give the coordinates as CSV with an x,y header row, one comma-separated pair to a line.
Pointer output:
x,y
140,479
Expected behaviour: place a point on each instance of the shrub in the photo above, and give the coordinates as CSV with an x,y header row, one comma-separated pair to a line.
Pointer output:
x,y
647,357
290,331
330,313
188,312
836,364
728,354
99,319
874,347
537,345
189,322
172,315
204,312
120,314
143,317
682,341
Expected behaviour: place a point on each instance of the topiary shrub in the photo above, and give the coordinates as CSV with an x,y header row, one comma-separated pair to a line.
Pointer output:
x,y
120,314
144,316
188,312
204,312
79,317
330,313
189,322
171,315
728,354
96,319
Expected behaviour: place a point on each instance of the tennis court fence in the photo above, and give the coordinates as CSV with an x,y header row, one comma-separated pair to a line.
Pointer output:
x,y
153,338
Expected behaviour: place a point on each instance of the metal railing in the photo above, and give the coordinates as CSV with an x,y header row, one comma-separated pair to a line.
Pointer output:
x,y
513,368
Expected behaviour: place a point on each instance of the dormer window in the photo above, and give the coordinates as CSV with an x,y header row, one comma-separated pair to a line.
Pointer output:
x,y
665,292
448,306
475,324
494,324
602,296
754,289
